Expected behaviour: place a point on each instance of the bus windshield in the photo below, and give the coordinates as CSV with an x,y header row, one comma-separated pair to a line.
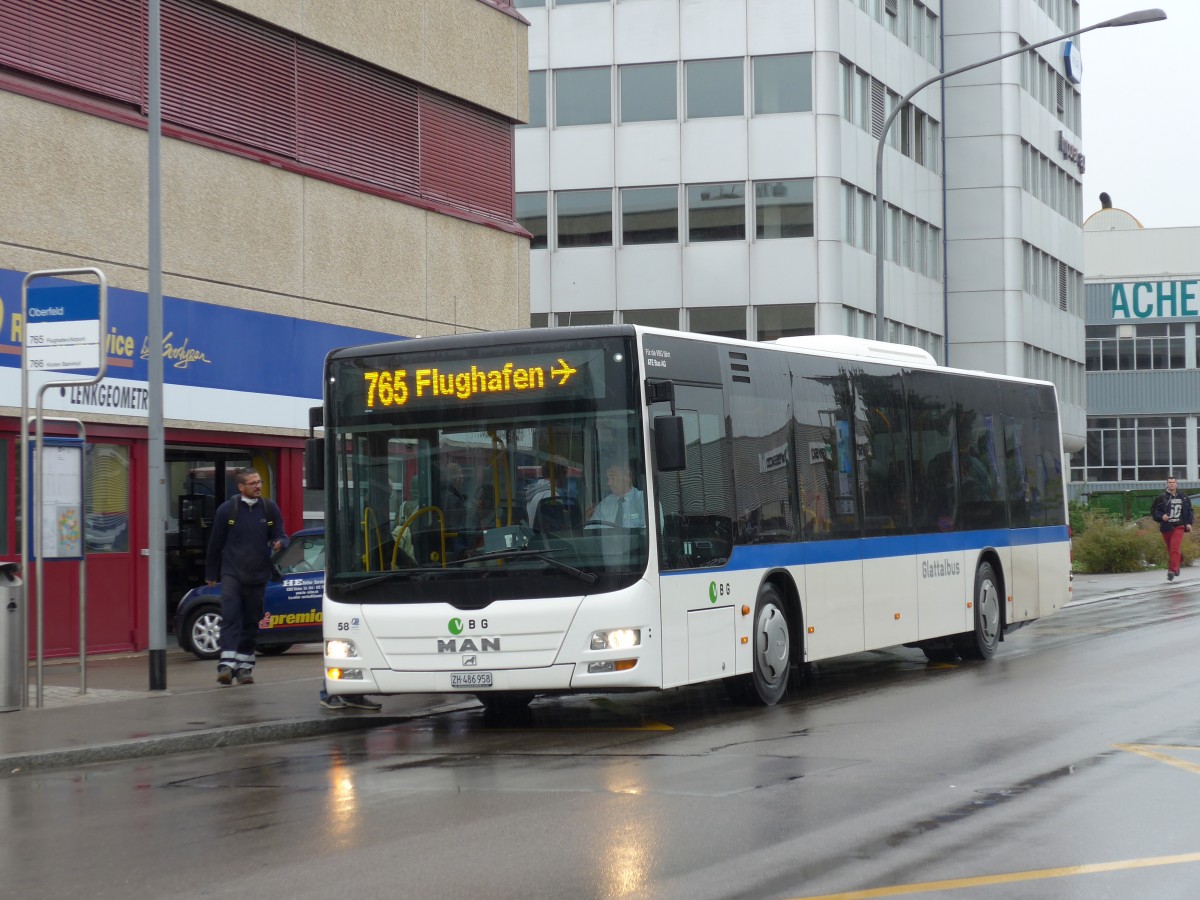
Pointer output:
x,y
492,473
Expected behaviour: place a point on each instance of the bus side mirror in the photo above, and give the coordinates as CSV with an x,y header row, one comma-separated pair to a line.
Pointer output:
x,y
669,449
314,463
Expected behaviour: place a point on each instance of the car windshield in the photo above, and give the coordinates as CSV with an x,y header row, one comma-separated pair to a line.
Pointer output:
x,y
306,553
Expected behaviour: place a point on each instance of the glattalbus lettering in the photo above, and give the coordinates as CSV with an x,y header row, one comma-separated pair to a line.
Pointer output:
x,y
113,396
939,568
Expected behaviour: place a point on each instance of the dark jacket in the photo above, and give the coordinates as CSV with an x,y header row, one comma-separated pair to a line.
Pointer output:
x,y
240,543
1171,512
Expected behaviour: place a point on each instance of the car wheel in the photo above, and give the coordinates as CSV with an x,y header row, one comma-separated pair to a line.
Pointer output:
x,y
202,631
273,649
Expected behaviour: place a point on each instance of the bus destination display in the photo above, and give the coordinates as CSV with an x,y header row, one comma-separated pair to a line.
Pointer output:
x,y
550,375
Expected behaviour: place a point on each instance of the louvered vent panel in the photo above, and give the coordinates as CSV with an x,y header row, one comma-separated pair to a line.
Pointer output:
x,y
357,121
466,156
95,45
229,76
878,113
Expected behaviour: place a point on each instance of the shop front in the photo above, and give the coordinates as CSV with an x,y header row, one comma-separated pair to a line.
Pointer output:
x,y
238,385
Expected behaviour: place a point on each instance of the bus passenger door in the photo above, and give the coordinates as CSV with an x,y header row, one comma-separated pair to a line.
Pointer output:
x,y
695,537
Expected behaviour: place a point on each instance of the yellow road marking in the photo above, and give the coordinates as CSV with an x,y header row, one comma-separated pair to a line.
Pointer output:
x,y
1150,751
609,706
1010,877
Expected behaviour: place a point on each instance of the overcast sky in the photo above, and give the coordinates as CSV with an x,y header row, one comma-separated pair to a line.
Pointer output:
x,y
1141,112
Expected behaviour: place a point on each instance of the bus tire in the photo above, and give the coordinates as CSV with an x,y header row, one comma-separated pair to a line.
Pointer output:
x,y
981,643
772,642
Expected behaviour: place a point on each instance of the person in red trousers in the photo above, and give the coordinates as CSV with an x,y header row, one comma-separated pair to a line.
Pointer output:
x,y
1173,513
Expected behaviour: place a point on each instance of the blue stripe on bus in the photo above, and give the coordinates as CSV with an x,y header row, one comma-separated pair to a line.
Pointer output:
x,y
767,556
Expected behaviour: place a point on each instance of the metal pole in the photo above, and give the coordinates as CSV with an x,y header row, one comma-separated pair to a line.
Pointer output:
x,y
1134,18
156,519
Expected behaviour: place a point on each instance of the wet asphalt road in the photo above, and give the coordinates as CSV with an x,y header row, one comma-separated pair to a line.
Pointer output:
x,y
1068,767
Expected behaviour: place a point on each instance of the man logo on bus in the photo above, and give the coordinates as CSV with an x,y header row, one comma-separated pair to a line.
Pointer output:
x,y
455,626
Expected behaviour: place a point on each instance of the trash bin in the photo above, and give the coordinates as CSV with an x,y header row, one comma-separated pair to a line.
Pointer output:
x,y
11,646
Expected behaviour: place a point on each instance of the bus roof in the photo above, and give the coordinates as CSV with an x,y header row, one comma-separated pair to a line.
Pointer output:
x,y
844,345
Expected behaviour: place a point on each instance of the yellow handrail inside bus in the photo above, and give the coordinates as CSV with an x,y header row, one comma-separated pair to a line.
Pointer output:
x,y
369,514
500,454
407,522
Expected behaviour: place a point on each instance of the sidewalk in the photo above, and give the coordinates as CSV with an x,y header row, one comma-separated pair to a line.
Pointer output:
x,y
119,717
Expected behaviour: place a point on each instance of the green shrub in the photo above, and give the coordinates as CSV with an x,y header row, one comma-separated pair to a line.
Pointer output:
x,y
1077,517
1105,546
1189,550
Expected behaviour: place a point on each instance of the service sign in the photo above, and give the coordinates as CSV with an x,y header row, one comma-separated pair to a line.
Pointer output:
x,y
421,383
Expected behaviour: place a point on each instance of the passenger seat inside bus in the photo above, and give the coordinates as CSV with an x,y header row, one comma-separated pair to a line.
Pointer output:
x,y
557,514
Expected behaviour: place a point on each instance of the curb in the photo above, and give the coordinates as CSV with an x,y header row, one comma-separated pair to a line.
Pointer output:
x,y
211,739
187,742
1138,590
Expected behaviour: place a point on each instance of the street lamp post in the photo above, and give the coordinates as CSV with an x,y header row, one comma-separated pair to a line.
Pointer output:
x,y
1133,18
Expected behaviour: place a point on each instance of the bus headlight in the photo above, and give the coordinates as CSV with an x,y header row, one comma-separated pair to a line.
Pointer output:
x,y
341,649
616,639
344,674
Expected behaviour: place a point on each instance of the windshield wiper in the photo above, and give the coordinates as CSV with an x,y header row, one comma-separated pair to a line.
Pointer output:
x,y
366,582
540,555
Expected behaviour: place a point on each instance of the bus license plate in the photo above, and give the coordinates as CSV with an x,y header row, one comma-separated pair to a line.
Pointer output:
x,y
470,679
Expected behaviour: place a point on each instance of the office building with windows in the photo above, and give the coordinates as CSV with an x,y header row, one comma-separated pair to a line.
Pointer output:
x,y
710,165
1142,305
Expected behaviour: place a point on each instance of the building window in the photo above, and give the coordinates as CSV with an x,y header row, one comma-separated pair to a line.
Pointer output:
x,y
648,93
537,101
650,215
584,218
717,212
783,84
106,503
715,88
603,317
1135,348
783,209
721,321
792,320
655,318
583,96
1133,448
531,213
539,320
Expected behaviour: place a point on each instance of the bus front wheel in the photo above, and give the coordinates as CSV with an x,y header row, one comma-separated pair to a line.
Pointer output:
x,y
772,640
982,642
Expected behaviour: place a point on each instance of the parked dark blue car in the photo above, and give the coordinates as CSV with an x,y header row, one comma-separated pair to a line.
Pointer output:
x,y
291,608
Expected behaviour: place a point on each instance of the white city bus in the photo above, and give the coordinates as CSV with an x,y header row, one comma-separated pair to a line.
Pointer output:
x,y
780,503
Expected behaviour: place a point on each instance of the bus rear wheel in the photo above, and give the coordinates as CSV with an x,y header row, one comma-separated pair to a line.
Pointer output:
x,y
772,642
982,642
